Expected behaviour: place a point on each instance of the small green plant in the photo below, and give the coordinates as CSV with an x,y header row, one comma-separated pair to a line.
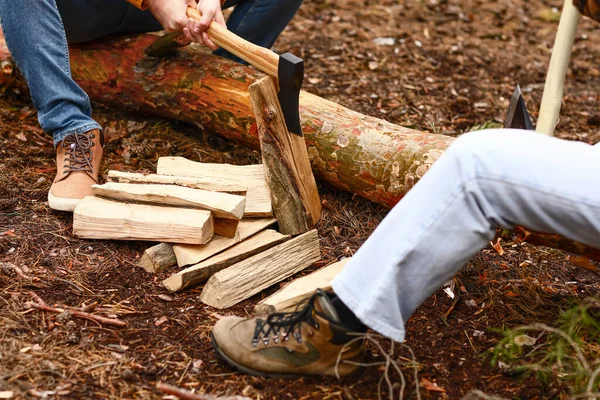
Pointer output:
x,y
485,125
568,353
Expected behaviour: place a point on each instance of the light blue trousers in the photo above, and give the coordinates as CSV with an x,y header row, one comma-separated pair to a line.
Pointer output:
x,y
37,33
486,179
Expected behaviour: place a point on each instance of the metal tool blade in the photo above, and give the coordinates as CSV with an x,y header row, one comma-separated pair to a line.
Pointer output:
x,y
291,75
517,116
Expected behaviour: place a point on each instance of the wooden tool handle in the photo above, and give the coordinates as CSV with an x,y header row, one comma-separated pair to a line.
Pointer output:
x,y
559,61
261,58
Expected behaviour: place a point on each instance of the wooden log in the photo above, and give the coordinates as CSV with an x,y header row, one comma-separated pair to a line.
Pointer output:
x,y
222,205
248,277
204,270
194,183
189,254
287,298
364,155
258,195
294,193
97,218
158,258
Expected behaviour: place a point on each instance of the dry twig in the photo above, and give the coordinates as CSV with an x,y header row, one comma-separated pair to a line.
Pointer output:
x,y
187,395
41,305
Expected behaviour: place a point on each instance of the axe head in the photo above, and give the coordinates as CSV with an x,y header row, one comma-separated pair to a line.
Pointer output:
x,y
517,116
290,74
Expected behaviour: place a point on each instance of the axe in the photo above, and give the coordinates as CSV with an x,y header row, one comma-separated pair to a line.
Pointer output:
x,y
287,68
517,116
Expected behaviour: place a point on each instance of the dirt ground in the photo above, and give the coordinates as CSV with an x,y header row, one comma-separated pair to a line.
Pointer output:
x,y
443,66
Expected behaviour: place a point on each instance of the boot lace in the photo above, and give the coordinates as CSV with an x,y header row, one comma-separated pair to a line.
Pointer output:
x,y
285,324
78,152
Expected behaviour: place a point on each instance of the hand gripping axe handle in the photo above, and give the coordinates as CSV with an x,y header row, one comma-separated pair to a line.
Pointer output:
x,y
287,68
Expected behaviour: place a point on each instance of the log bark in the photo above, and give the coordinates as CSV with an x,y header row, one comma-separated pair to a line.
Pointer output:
x,y
364,155
96,218
246,278
157,258
204,270
294,193
294,292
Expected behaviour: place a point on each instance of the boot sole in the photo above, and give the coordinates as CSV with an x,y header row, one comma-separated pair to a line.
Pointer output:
x,y
249,371
62,204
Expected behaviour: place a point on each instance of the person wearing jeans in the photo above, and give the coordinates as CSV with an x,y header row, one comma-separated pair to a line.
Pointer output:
x,y
37,34
485,180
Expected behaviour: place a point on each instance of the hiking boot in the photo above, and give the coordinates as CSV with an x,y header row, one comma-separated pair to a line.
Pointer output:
x,y
78,159
306,342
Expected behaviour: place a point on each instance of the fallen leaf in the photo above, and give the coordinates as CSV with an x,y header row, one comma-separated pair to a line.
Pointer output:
x,y
160,321
583,262
431,386
497,246
197,364
164,297
510,293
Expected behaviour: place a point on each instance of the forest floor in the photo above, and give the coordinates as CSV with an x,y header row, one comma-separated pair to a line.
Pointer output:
x,y
443,66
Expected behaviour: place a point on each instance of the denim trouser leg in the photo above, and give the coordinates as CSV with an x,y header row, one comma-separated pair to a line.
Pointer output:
x,y
35,35
486,179
36,40
259,21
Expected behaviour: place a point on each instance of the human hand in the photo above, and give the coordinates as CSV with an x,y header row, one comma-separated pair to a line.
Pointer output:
x,y
196,29
171,14
589,8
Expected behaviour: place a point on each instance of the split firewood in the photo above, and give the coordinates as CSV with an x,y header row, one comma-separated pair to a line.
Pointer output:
x,y
96,218
294,193
157,258
258,195
252,275
187,395
42,305
294,292
186,181
222,205
193,254
204,270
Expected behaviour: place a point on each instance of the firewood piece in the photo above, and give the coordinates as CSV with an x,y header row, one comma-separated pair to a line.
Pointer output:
x,y
294,193
157,258
290,295
194,183
258,195
204,270
189,254
248,277
97,218
222,205
226,227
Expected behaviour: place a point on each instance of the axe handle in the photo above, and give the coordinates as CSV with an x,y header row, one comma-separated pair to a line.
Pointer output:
x,y
264,59
559,61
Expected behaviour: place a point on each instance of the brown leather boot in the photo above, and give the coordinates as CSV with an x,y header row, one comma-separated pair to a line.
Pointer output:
x,y
78,159
307,342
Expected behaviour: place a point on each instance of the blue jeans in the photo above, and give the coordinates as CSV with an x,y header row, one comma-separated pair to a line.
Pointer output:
x,y
37,33
484,180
